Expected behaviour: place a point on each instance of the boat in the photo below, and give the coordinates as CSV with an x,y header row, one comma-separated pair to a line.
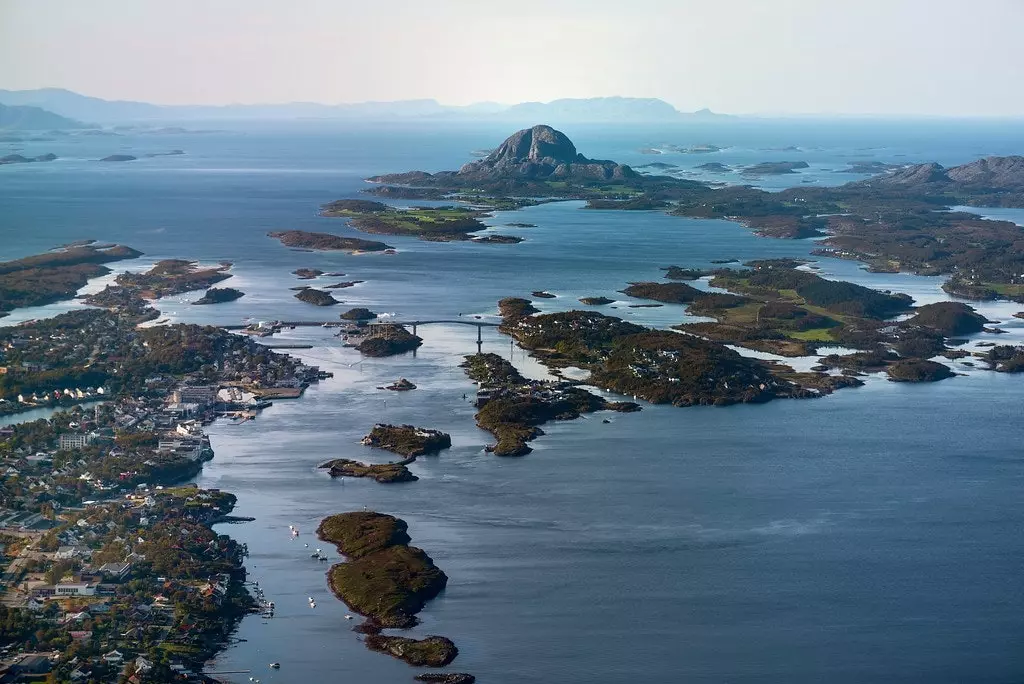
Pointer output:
x,y
275,666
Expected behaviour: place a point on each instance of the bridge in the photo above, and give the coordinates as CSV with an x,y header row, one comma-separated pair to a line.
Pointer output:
x,y
480,325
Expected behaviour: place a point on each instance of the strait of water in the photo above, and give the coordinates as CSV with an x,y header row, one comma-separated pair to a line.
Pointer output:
x,y
871,536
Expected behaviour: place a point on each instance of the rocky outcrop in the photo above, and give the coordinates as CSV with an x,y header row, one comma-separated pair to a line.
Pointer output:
x,y
542,152
433,651
949,318
1005,173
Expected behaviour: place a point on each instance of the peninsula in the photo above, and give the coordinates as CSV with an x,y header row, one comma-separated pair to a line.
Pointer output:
x,y
56,275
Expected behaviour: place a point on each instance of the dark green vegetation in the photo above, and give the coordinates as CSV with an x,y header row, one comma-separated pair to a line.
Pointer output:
x,y
316,297
326,242
438,224
516,307
514,408
659,366
431,651
385,473
53,276
358,314
595,301
389,339
307,273
679,273
1006,359
218,295
384,579
791,312
895,221
167,278
407,440
917,370
949,318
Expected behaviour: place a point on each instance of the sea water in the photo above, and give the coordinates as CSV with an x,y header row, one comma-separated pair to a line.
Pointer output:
x,y
873,535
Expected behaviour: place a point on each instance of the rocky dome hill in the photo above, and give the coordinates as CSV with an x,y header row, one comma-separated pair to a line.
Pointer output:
x,y
539,153
1004,174
543,152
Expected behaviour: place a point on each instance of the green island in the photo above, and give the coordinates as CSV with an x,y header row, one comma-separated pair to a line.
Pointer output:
x,y
311,295
385,473
431,651
512,407
327,242
56,275
899,220
595,301
384,579
307,273
388,339
219,295
407,440
359,313
436,224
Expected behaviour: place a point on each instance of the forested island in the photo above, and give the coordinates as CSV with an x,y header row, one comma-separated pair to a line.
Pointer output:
x,y
387,581
219,295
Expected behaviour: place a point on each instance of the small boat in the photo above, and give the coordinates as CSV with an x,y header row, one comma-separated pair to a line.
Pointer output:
x,y
275,666
348,617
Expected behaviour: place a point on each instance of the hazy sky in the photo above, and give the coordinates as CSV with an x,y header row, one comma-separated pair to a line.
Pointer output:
x,y
944,57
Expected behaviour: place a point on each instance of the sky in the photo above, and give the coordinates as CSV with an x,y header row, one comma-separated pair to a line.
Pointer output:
x,y
899,57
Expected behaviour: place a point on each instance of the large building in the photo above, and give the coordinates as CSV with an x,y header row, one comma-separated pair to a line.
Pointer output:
x,y
74,440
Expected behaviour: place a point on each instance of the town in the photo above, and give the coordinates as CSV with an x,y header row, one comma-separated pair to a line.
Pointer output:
x,y
110,568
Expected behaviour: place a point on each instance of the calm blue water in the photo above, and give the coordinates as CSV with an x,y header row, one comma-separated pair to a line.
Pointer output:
x,y
871,536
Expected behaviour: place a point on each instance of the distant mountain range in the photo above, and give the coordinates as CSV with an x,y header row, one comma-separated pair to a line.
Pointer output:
x,y
66,103
25,118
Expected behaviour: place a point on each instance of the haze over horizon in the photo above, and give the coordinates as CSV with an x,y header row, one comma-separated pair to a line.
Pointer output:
x,y
909,57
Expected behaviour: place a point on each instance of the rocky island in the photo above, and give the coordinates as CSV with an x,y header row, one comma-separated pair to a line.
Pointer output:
x,y
119,158
407,440
385,473
389,339
385,579
513,408
311,295
358,314
19,159
327,242
307,273
218,295
596,301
